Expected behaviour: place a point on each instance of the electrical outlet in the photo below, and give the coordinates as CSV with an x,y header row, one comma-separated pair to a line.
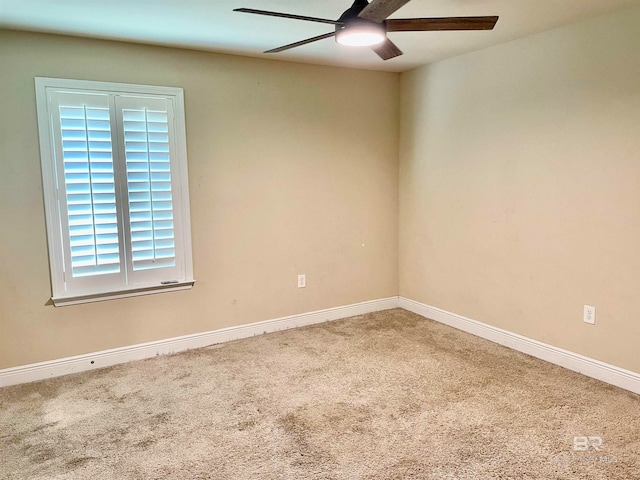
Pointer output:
x,y
302,280
589,314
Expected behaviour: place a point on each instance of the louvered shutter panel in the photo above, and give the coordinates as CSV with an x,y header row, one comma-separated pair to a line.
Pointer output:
x,y
87,171
152,186
146,140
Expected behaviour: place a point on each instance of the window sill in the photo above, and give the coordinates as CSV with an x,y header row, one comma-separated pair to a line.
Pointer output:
x,y
99,297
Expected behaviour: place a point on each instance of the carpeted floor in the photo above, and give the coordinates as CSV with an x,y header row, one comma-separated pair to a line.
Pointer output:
x,y
387,395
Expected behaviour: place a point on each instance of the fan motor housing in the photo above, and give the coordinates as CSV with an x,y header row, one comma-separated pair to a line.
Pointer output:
x,y
350,19
353,11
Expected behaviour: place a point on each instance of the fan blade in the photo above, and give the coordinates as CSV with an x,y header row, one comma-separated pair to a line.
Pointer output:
x,y
301,42
387,50
287,15
378,10
433,24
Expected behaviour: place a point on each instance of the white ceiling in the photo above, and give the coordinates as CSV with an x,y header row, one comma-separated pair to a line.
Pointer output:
x,y
212,25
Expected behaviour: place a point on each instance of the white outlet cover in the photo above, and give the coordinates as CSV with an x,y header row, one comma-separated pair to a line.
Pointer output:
x,y
589,314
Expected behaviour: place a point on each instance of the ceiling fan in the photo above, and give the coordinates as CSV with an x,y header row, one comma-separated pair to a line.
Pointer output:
x,y
366,24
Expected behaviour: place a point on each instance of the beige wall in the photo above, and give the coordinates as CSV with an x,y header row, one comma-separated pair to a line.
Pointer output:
x,y
520,186
519,190
292,169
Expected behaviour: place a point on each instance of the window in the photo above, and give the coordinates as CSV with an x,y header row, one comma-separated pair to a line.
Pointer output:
x,y
114,171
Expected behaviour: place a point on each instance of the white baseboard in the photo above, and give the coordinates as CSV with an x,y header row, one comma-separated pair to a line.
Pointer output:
x,y
105,358
578,363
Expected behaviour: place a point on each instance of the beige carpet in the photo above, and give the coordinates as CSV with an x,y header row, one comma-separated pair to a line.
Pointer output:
x,y
382,396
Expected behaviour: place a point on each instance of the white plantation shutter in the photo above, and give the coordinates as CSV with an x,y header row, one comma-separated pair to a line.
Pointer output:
x,y
146,140
89,184
116,192
153,195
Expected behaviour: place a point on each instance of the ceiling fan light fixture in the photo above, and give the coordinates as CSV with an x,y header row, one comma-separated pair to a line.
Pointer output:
x,y
361,34
366,23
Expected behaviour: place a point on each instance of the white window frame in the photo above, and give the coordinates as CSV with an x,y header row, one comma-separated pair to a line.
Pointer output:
x,y
62,293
